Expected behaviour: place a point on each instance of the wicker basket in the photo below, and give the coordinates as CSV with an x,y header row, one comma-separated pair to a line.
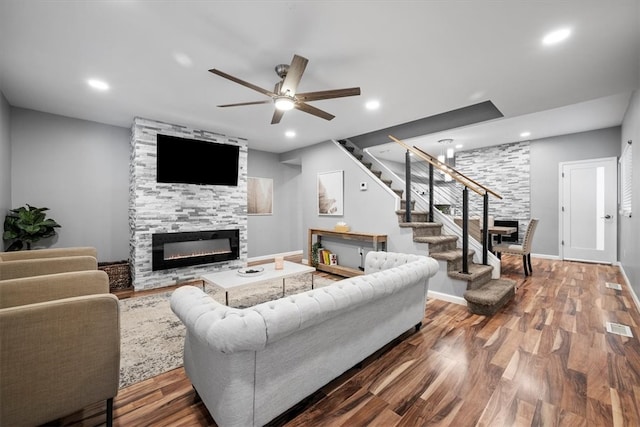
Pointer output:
x,y
119,274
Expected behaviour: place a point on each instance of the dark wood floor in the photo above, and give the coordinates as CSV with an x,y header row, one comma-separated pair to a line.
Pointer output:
x,y
544,360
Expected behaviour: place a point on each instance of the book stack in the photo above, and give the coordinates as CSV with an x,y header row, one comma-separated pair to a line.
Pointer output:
x,y
326,257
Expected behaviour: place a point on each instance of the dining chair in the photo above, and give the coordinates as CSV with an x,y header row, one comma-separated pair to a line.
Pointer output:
x,y
524,249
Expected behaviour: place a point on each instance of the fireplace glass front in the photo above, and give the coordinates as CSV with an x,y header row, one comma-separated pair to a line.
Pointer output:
x,y
172,250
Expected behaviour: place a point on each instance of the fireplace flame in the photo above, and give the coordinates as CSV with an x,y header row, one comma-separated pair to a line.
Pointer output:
x,y
196,254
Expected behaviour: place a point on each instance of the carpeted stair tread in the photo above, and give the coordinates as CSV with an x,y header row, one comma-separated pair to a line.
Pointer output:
x,y
475,271
403,211
416,216
492,296
451,255
443,238
420,224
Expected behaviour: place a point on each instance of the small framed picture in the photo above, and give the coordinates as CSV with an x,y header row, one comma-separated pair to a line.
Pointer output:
x,y
330,193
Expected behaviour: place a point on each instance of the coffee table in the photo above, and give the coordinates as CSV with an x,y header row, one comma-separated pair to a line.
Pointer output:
x,y
230,279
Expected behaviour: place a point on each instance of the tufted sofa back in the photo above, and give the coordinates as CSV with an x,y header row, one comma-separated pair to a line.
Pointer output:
x,y
378,261
229,329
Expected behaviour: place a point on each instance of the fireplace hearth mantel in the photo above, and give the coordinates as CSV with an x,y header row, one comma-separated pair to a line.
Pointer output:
x,y
158,207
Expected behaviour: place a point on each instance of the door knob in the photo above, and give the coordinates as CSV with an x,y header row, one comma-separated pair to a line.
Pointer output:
x,y
607,217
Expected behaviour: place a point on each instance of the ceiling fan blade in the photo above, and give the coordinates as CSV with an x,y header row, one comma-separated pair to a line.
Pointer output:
x,y
328,94
313,110
290,83
277,115
266,101
242,82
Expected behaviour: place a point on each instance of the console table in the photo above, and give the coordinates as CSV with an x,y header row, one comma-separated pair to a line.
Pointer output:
x,y
379,242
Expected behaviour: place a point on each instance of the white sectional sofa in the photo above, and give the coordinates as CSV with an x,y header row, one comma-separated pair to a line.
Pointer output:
x,y
250,365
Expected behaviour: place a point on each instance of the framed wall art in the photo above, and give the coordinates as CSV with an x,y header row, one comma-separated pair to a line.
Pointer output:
x,y
259,196
330,193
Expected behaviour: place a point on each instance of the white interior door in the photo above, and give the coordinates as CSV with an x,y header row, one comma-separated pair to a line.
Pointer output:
x,y
588,203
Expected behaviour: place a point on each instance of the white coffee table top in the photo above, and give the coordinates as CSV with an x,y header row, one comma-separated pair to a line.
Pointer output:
x,y
230,279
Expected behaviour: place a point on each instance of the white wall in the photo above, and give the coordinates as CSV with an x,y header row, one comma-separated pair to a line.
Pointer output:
x,y
282,231
629,247
5,158
546,155
371,211
80,171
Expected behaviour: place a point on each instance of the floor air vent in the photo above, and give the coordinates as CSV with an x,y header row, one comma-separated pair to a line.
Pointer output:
x,y
618,329
616,286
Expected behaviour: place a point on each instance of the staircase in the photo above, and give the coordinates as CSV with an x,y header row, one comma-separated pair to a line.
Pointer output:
x,y
484,295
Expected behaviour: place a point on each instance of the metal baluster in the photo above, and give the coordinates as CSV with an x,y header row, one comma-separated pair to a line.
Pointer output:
x,y
465,230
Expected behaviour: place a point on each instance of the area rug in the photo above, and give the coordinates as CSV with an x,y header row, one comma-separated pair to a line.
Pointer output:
x,y
152,337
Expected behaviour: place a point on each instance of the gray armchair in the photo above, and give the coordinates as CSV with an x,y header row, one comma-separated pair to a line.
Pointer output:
x,y
59,346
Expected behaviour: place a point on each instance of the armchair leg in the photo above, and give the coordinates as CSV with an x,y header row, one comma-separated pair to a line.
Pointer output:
x,y
529,262
524,264
110,412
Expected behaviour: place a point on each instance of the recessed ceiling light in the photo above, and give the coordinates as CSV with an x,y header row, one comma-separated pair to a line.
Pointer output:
x,y
477,95
183,59
290,133
459,146
556,36
525,134
372,105
98,84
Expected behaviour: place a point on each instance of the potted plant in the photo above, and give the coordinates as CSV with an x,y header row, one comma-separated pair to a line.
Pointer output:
x,y
314,253
26,225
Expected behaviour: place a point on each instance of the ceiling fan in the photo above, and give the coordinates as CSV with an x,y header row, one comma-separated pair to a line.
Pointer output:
x,y
284,96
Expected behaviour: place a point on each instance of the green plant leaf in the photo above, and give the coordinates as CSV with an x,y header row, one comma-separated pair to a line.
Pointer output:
x,y
28,224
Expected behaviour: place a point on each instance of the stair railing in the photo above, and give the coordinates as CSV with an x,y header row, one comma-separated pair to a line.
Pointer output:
x,y
467,182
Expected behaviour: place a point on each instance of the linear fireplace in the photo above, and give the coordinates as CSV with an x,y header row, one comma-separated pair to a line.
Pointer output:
x,y
172,250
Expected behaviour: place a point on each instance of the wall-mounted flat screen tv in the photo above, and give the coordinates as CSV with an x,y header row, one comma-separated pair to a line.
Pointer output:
x,y
191,161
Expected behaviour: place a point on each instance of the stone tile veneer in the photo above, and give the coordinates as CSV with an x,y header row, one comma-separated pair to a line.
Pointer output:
x,y
160,207
504,169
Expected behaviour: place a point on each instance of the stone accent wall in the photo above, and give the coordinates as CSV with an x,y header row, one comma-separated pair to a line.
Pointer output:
x,y
504,169
160,207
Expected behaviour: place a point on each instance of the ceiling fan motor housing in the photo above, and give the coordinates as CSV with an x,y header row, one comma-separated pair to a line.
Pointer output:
x,y
282,70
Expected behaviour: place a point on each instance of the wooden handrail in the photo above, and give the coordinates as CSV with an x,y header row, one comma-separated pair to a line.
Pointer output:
x,y
461,178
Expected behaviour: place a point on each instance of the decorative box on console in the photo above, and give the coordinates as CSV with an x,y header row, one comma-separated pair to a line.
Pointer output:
x,y
342,227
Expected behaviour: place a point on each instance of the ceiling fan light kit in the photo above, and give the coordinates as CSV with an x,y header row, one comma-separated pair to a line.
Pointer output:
x,y
284,95
284,103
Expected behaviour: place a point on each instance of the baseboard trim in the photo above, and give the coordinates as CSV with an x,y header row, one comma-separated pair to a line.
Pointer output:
x,y
272,256
446,297
628,283
545,256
